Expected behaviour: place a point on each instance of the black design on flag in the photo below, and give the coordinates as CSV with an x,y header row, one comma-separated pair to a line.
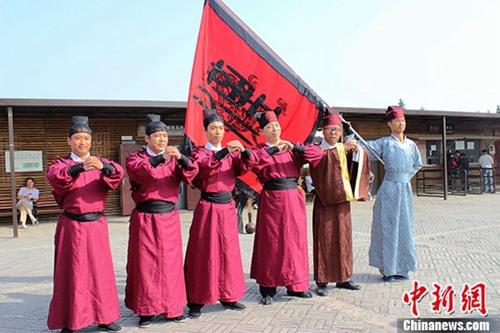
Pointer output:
x,y
236,74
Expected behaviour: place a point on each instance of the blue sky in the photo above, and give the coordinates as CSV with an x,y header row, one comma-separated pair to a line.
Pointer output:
x,y
439,54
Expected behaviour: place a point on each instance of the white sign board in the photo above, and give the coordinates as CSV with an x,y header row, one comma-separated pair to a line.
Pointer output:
x,y
25,161
175,130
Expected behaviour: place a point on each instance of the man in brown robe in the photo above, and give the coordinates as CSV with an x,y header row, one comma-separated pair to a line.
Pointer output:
x,y
338,178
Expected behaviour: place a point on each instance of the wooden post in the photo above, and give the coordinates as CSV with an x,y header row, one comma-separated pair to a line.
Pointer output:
x,y
445,161
12,170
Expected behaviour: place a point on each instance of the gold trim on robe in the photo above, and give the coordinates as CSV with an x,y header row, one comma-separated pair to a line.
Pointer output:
x,y
344,171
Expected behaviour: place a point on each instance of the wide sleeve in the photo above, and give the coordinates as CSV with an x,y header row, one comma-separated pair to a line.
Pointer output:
x,y
258,157
60,178
417,160
359,172
186,169
208,163
307,154
313,154
139,167
112,174
242,162
375,146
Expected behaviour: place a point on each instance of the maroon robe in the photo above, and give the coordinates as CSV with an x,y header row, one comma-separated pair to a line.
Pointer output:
x,y
155,279
332,227
213,265
280,251
84,280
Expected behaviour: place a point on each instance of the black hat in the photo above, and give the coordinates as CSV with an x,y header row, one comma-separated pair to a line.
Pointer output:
x,y
154,124
80,124
209,116
265,118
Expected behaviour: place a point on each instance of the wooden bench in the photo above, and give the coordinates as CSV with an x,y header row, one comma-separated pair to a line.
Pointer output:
x,y
5,208
46,205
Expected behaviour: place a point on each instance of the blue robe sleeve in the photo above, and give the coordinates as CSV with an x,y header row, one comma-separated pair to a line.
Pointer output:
x,y
377,147
417,160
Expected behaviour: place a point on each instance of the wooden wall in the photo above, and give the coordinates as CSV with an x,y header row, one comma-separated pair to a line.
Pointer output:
x,y
46,129
48,133
373,126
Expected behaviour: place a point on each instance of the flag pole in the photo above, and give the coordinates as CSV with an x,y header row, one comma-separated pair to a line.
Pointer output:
x,y
360,138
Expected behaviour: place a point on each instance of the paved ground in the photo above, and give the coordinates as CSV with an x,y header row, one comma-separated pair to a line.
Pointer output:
x,y
457,242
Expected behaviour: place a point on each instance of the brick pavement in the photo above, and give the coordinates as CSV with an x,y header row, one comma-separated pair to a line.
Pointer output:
x,y
457,242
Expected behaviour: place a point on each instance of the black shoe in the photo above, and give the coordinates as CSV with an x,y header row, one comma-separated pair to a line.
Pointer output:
x,y
268,300
179,319
66,330
145,321
237,306
388,278
194,310
301,294
322,289
194,313
267,291
348,285
400,277
113,327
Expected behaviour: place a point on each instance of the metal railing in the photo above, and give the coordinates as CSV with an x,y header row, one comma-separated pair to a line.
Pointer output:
x,y
429,181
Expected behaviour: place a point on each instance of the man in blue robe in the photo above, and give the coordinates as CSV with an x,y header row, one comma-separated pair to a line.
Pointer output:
x,y
392,248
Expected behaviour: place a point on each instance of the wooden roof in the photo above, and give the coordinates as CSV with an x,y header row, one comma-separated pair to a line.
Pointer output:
x,y
145,104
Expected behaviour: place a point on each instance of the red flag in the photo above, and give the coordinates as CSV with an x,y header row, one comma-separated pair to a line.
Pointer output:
x,y
237,74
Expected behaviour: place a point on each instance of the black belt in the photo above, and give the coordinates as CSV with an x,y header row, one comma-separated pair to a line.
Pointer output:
x,y
217,197
281,184
87,217
155,207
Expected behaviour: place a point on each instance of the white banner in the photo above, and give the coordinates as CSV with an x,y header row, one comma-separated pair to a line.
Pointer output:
x,y
25,160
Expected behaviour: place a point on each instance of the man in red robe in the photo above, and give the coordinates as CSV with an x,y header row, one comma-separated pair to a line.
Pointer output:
x,y
84,281
336,182
213,267
155,279
280,252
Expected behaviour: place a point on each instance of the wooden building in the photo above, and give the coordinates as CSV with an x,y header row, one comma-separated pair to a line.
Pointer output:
x,y
467,132
41,126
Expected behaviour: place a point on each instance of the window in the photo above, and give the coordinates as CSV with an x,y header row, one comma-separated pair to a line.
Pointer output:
x,y
471,148
434,150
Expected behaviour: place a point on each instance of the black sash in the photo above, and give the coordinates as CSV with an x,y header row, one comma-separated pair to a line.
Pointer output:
x,y
87,217
281,184
217,197
155,207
